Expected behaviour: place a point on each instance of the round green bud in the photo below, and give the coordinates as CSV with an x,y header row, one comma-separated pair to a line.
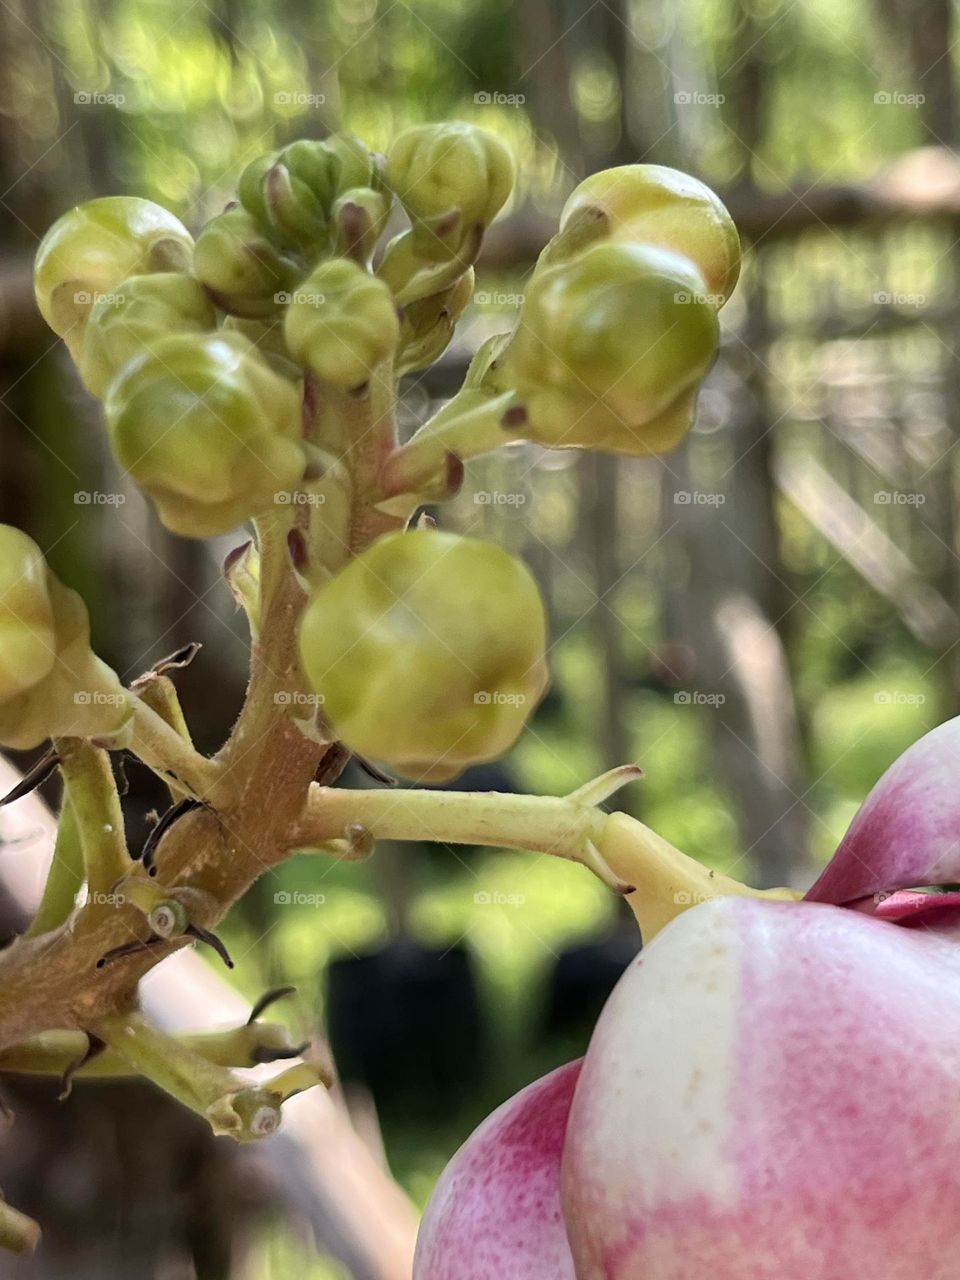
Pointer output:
x,y
89,251
611,348
26,616
51,682
652,204
292,194
341,323
143,309
207,429
359,216
452,179
239,267
429,652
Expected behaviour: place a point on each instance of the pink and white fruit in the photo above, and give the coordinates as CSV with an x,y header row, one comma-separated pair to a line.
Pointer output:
x,y
769,1092
496,1209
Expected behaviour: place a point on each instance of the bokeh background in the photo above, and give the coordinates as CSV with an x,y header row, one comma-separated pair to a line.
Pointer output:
x,y
763,619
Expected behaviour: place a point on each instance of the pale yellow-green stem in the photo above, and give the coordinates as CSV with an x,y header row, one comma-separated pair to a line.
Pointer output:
x,y
160,745
91,793
53,1053
230,1105
658,880
473,423
64,879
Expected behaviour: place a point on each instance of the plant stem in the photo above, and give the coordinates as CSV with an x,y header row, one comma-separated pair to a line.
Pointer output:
x,y
64,879
659,881
52,1053
471,424
545,824
172,756
93,800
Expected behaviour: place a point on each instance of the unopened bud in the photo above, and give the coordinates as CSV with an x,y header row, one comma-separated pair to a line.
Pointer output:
x,y
90,250
207,429
240,268
341,323
652,204
610,350
451,179
121,325
51,682
429,652
293,194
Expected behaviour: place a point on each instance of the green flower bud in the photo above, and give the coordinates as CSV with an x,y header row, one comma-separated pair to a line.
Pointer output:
x,y
428,651
452,179
651,204
292,194
26,617
51,682
93,248
143,309
341,323
428,325
241,270
207,429
410,277
359,216
610,350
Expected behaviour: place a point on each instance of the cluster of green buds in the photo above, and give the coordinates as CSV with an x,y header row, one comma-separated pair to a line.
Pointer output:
x,y
619,324
615,335
52,684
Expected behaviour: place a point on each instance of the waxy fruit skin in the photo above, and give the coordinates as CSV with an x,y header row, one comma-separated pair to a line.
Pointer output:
x,y
906,833
768,1093
495,1211
767,1097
